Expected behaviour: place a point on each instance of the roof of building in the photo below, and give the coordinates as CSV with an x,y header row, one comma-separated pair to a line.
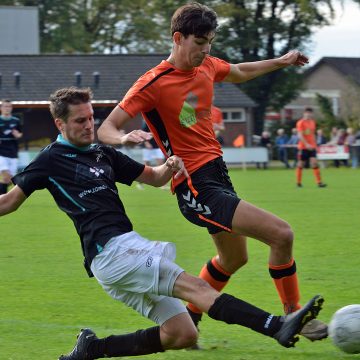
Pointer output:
x,y
347,66
40,75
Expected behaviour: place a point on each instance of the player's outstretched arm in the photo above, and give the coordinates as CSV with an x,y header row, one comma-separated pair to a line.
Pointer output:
x,y
160,175
10,201
246,71
110,132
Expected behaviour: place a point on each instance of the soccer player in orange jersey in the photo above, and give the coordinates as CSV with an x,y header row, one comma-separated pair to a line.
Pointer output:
x,y
175,99
306,128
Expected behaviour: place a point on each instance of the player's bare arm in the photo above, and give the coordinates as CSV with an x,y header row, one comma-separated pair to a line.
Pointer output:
x,y
160,175
246,71
109,132
10,201
17,134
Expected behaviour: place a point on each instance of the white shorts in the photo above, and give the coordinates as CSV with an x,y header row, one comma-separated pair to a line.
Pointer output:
x,y
140,273
152,155
8,164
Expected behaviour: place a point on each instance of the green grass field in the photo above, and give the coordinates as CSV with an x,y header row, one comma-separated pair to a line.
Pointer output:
x,y
46,297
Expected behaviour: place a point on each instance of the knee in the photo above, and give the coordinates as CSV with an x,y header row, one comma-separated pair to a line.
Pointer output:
x,y
187,339
233,264
180,338
285,236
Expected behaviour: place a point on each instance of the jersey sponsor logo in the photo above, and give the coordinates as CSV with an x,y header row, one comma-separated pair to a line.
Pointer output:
x,y
187,115
69,155
92,191
149,261
196,206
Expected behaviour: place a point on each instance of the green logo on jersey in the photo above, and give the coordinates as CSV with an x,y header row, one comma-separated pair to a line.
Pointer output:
x,y
187,115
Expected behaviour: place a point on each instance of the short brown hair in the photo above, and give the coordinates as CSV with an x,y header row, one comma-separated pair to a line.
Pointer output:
x,y
62,98
194,19
308,109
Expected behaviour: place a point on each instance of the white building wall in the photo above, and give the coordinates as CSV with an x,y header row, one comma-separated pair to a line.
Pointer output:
x,y
19,29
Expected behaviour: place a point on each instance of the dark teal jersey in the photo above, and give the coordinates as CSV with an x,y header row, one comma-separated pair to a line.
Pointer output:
x,y
82,181
8,143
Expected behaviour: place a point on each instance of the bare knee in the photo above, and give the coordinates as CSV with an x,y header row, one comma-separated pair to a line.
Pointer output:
x,y
233,263
179,336
285,236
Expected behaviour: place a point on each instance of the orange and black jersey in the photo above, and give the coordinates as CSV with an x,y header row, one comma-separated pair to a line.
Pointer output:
x,y
176,105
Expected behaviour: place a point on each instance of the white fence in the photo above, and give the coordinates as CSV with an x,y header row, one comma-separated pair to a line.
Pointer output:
x,y
232,156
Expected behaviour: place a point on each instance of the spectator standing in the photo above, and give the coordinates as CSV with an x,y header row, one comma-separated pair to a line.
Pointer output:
x,y
265,142
281,141
320,137
341,142
10,132
351,142
292,145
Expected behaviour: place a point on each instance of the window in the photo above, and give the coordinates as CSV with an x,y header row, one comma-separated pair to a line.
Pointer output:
x,y
234,115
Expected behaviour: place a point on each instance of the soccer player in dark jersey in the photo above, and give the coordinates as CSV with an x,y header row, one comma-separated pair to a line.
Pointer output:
x,y
175,100
82,176
10,132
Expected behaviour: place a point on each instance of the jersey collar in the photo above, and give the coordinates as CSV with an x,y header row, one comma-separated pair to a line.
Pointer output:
x,y
62,141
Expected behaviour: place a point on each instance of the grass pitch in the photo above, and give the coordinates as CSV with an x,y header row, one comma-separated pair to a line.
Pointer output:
x,y
46,297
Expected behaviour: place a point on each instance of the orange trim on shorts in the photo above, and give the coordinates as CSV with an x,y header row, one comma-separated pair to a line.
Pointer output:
x,y
214,223
191,187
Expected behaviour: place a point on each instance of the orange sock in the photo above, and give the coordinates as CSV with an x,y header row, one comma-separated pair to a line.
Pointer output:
x,y
215,275
298,175
317,175
286,283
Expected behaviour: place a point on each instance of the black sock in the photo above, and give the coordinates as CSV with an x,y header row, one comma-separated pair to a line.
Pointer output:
x,y
195,317
3,188
141,342
235,311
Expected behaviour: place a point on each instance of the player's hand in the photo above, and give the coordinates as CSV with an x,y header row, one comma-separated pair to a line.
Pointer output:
x,y
135,137
177,166
16,133
294,57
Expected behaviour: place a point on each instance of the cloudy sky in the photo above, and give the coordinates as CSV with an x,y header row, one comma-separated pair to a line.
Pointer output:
x,y
340,39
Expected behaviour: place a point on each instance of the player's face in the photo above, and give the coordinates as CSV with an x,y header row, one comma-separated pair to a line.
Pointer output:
x,y
6,109
193,50
79,128
308,115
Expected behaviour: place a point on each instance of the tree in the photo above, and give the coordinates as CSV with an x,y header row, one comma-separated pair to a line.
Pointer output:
x,y
253,30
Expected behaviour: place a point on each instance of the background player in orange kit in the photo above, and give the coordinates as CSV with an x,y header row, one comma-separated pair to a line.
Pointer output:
x,y
306,128
175,99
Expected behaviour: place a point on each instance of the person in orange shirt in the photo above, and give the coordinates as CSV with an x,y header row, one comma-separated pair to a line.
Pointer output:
x,y
175,99
306,128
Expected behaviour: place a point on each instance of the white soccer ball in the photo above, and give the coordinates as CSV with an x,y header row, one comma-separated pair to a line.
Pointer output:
x,y
344,329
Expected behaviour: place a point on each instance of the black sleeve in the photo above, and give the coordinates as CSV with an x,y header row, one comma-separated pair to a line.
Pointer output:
x,y
126,169
35,176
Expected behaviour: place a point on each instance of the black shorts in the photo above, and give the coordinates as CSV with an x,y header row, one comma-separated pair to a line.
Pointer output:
x,y
209,200
305,154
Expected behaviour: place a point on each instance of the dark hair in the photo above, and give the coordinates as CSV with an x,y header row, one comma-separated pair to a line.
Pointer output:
x,y
5,101
194,19
309,109
62,98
